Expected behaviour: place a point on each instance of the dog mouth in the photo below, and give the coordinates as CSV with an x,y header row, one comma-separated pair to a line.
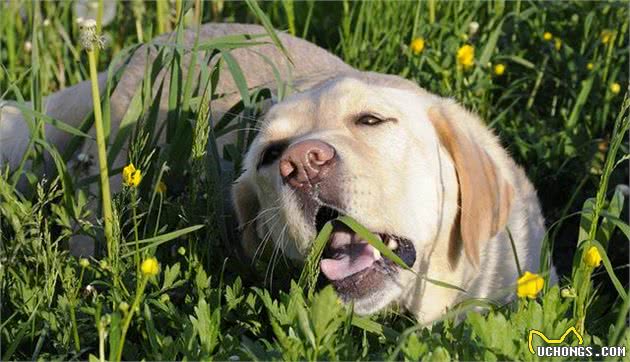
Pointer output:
x,y
354,267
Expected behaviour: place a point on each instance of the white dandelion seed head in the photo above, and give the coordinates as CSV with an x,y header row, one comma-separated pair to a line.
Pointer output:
x,y
89,9
473,27
89,39
89,290
28,46
88,23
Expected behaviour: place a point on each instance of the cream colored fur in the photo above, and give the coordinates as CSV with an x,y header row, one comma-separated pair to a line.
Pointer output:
x,y
398,178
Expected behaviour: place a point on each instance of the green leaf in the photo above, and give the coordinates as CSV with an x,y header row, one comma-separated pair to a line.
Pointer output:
x,y
612,219
311,266
445,285
367,324
266,23
170,275
583,96
207,326
586,219
115,331
373,240
305,325
161,239
16,341
325,315
491,44
126,126
609,269
237,75
53,122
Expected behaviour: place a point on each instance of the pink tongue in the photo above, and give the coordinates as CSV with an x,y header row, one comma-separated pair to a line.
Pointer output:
x,y
356,256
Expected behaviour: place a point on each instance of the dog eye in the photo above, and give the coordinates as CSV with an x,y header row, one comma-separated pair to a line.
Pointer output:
x,y
369,120
271,154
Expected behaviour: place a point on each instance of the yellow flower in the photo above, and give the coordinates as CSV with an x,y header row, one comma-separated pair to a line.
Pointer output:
x,y
84,263
499,69
615,88
466,56
590,66
547,36
417,46
150,267
558,44
131,176
161,187
606,35
529,285
592,257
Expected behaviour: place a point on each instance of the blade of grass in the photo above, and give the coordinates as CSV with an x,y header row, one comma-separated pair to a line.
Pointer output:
x,y
373,240
62,126
609,269
266,23
159,240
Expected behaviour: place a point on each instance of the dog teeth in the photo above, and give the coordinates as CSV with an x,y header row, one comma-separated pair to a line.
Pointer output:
x,y
393,244
377,254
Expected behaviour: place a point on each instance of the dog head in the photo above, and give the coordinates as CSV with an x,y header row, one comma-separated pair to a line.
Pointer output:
x,y
385,152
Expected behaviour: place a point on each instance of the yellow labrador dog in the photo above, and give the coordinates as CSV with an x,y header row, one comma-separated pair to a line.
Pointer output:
x,y
418,170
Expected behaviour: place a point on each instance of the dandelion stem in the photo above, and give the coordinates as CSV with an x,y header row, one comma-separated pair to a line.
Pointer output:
x,y
102,154
431,11
178,9
135,229
127,320
160,12
139,31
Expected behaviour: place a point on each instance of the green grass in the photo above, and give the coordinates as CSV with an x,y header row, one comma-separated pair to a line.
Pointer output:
x,y
558,118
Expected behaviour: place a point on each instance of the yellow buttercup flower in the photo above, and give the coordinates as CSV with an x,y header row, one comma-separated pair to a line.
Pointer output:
x,y
161,187
615,88
592,257
547,36
466,56
131,176
558,44
590,66
606,35
499,69
417,46
150,267
529,285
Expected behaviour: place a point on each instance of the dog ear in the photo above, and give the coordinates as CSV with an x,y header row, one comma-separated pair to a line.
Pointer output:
x,y
247,207
485,196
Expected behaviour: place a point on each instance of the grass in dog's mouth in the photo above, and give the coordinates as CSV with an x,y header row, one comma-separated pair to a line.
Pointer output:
x,y
327,222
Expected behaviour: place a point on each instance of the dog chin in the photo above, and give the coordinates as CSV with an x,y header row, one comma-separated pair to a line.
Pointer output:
x,y
375,301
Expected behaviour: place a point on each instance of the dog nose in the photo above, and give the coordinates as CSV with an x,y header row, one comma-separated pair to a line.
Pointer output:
x,y
306,163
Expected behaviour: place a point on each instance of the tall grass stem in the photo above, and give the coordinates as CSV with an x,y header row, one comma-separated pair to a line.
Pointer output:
x,y
102,154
